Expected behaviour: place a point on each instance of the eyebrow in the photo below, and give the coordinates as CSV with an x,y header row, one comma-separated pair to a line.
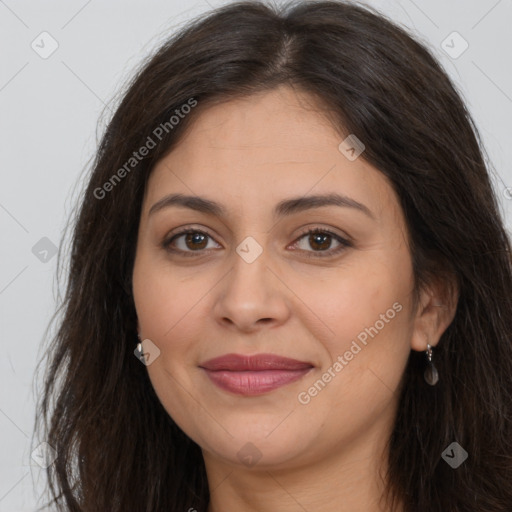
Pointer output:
x,y
283,208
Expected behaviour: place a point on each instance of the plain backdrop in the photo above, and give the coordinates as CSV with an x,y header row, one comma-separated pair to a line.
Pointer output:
x,y
50,105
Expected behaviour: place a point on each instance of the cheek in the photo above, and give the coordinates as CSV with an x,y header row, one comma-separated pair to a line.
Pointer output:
x,y
362,315
353,298
167,300
166,305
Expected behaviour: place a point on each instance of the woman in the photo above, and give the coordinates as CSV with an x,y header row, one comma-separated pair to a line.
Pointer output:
x,y
291,225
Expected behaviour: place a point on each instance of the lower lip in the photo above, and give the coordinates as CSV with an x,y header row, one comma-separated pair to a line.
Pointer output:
x,y
254,382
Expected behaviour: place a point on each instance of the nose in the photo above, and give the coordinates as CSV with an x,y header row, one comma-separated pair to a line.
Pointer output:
x,y
251,296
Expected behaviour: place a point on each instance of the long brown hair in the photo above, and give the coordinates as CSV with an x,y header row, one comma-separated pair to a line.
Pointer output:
x,y
117,448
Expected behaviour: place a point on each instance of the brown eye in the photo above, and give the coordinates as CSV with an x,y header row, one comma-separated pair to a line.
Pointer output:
x,y
320,241
196,241
188,241
313,243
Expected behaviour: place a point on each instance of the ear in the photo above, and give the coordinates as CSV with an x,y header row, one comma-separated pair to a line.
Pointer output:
x,y
435,312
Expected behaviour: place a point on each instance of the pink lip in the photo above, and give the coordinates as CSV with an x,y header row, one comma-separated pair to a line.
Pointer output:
x,y
254,375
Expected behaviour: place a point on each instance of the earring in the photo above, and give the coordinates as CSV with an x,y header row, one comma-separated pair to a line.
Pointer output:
x,y
431,374
138,350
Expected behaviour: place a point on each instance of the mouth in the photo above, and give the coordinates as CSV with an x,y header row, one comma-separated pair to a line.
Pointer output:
x,y
254,375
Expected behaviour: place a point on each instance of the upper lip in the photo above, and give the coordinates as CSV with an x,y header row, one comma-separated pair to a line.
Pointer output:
x,y
239,362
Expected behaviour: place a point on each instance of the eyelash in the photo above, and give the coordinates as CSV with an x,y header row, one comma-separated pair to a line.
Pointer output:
x,y
344,244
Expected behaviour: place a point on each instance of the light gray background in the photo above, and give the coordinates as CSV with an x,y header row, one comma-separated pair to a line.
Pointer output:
x,y
49,110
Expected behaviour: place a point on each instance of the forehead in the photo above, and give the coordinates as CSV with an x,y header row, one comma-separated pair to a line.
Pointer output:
x,y
270,145
281,121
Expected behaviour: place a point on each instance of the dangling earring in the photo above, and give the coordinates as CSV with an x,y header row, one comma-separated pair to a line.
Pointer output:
x,y
431,374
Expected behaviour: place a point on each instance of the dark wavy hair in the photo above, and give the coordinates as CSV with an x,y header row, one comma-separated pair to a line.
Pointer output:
x,y
117,447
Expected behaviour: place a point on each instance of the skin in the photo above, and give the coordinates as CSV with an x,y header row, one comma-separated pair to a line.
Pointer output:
x,y
248,154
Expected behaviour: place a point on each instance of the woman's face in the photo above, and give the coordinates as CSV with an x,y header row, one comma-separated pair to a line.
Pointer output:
x,y
247,280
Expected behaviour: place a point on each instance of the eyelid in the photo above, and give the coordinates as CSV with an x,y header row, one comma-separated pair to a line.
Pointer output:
x,y
345,237
344,241
183,230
